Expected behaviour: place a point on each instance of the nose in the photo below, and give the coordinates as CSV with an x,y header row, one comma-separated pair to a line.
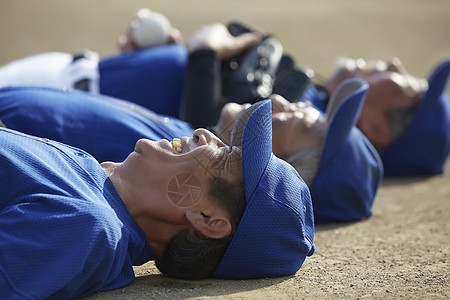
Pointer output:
x,y
202,136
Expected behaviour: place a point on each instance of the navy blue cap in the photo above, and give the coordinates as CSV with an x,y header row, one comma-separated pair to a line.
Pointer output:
x,y
423,147
276,231
350,169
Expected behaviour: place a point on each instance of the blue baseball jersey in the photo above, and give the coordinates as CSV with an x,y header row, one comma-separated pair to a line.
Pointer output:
x,y
152,77
64,231
105,127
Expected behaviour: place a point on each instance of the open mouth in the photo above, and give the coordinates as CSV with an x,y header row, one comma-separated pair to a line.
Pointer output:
x,y
177,145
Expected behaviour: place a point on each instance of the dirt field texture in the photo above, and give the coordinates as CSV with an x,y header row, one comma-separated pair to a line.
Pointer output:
x,y
403,250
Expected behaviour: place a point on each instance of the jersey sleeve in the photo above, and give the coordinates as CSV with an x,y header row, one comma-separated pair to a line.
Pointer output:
x,y
60,253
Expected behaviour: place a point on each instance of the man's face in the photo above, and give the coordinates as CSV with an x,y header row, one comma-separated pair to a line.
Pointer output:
x,y
390,88
294,125
176,180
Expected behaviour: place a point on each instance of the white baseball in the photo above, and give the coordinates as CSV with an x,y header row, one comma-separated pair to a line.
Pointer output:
x,y
150,29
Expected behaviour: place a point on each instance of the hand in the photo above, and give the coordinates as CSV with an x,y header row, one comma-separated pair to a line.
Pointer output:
x,y
217,37
125,43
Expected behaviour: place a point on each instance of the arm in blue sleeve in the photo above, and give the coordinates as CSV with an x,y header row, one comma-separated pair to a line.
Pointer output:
x,y
49,253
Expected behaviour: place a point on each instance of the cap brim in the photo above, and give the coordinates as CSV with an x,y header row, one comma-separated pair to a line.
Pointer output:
x,y
253,132
437,83
342,114
351,170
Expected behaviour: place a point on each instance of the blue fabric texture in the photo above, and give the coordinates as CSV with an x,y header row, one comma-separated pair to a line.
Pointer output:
x,y
312,94
350,170
64,231
105,127
153,77
276,232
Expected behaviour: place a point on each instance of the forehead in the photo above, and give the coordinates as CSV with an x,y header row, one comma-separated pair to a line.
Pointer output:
x,y
384,77
393,90
383,87
396,80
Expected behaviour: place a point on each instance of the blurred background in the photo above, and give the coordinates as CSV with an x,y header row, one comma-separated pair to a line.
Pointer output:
x,y
315,32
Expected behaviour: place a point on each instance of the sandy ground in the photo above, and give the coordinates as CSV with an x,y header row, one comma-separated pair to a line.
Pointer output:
x,y
403,250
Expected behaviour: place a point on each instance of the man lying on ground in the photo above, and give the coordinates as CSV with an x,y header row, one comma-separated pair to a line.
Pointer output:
x,y
71,227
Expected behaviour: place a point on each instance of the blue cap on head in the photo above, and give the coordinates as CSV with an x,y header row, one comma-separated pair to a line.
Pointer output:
x,y
276,231
423,147
350,169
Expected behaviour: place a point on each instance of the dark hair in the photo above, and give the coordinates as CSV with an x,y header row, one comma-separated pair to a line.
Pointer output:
x,y
189,254
399,119
306,162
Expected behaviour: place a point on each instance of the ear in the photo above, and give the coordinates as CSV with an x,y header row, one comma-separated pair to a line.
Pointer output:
x,y
213,225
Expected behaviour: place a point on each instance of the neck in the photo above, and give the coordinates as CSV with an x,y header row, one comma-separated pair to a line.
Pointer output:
x,y
127,190
158,233
148,206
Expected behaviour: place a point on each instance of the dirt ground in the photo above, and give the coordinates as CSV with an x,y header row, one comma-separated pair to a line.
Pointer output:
x,y
403,250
